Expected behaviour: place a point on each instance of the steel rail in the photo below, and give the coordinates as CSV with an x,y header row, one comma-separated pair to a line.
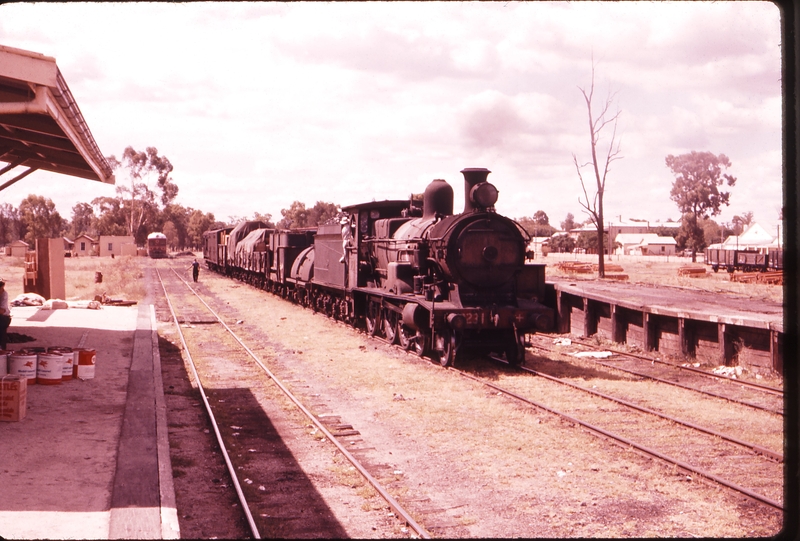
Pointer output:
x,y
673,383
228,463
621,439
396,507
752,446
759,386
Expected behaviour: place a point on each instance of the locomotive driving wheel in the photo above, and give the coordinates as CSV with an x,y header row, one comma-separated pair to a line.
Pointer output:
x,y
389,321
372,318
421,343
404,335
449,343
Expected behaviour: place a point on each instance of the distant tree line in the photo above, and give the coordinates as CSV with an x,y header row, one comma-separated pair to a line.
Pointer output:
x,y
147,205
142,207
586,241
36,217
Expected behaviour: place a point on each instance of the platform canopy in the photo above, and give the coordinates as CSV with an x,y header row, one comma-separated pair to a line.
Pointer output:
x,y
41,126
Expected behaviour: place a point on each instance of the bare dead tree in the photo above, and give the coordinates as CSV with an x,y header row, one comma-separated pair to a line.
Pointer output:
x,y
594,206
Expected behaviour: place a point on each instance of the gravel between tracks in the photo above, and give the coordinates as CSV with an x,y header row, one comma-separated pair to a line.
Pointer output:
x,y
466,462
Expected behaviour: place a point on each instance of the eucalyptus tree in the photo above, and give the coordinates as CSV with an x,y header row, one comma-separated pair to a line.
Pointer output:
x,y
696,191
148,173
40,218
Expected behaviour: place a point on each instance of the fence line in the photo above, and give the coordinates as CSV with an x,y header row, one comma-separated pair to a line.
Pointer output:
x,y
592,258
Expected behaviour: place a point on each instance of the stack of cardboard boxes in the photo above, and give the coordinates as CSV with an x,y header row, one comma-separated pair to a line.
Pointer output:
x,y
13,397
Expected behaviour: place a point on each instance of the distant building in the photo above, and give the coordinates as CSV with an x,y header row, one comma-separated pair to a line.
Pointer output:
x,y
84,245
755,237
18,248
614,228
538,245
644,244
116,245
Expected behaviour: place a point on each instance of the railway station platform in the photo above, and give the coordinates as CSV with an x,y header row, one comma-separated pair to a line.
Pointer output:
x,y
722,329
90,459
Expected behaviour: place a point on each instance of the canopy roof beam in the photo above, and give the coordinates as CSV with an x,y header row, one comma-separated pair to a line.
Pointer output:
x,y
18,177
41,125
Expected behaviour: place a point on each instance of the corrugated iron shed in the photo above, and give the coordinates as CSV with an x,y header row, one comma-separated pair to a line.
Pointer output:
x,y
41,126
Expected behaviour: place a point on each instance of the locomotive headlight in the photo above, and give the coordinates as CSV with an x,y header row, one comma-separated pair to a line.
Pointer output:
x,y
484,194
456,321
490,253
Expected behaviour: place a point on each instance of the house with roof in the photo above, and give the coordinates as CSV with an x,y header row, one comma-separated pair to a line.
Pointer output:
x,y
755,237
116,245
539,245
614,228
84,245
18,248
644,244
68,246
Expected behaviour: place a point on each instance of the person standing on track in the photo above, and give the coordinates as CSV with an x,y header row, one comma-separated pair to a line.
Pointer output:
x,y
195,270
5,314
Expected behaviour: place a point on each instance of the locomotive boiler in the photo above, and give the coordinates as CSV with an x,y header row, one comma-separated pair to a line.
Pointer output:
x,y
409,271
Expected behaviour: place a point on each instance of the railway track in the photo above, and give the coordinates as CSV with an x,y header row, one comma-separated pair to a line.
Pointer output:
x,y
696,450
762,463
746,393
234,384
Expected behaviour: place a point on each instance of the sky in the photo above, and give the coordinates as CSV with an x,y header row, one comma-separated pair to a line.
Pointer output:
x,y
258,105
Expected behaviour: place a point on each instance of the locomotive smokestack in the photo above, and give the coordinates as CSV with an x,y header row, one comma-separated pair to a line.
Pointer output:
x,y
438,199
472,177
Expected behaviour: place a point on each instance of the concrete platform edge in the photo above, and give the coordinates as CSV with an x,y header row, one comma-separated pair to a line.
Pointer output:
x,y
139,508
170,527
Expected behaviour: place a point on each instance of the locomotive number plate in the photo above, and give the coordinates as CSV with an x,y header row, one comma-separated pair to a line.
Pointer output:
x,y
476,318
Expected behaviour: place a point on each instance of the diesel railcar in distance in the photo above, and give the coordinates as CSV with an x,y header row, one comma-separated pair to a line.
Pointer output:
x,y
157,245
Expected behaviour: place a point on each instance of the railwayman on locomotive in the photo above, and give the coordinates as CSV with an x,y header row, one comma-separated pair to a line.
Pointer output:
x,y
347,236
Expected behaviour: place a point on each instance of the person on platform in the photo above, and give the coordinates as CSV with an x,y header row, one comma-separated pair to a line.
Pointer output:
x,y
195,270
5,314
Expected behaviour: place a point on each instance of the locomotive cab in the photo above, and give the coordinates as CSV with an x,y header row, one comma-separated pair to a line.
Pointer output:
x,y
369,249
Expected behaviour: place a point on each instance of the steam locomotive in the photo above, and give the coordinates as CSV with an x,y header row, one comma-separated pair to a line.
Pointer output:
x,y
409,271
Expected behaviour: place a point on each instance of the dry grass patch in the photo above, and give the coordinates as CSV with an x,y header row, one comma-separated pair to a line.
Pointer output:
x,y
123,277
665,273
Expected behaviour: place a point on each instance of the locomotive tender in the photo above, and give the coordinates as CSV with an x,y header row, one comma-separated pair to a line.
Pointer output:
x,y
417,275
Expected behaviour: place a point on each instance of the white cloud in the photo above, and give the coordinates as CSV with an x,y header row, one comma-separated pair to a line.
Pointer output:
x,y
260,104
